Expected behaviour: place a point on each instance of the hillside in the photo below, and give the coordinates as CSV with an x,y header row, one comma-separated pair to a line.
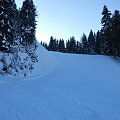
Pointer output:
x,y
63,87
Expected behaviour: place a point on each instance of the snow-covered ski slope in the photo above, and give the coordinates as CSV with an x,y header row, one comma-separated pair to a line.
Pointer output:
x,y
64,87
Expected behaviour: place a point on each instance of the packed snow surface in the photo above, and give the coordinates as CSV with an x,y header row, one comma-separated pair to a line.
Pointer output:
x,y
63,87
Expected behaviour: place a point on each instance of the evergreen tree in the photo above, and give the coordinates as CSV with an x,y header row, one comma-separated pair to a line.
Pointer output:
x,y
106,32
68,46
10,35
61,46
91,43
41,43
84,43
28,23
72,47
56,45
44,45
79,48
7,24
53,44
98,43
116,33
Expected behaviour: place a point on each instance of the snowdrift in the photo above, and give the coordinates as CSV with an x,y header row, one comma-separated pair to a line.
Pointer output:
x,y
46,63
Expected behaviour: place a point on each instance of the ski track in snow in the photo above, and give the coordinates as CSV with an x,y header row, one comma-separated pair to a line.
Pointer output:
x,y
71,87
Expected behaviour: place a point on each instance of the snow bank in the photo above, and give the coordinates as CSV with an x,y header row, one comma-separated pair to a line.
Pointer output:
x,y
46,63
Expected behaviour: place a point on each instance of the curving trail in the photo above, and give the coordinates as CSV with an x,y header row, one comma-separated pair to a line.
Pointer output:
x,y
68,87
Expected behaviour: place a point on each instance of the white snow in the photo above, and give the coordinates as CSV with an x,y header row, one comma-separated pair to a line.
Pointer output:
x,y
63,87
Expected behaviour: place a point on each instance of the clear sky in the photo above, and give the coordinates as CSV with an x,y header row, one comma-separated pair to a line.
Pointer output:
x,y
66,18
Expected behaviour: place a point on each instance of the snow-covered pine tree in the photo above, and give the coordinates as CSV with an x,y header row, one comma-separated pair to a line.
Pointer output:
x,y
7,22
28,24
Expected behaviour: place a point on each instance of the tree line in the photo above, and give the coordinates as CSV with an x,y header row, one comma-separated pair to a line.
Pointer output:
x,y
17,26
105,41
17,33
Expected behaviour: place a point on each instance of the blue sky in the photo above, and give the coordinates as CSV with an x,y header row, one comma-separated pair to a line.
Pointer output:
x,y
66,18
